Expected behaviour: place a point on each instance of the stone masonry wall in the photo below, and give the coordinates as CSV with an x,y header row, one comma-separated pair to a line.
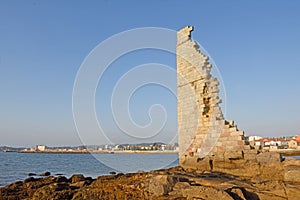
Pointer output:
x,y
203,132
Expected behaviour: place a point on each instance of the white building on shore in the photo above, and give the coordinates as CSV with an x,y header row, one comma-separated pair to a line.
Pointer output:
x,y
40,147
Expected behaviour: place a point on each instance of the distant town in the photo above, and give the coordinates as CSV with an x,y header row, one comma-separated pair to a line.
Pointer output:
x,y
280,144
275,143
118,148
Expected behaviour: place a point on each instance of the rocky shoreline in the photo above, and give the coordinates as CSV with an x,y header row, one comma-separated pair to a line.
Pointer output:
x,y
174,183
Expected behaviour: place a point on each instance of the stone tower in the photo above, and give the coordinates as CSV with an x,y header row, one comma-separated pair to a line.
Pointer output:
x,y
204,136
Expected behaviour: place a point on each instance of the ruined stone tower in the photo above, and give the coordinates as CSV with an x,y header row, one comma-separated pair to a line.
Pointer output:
x,y
204,136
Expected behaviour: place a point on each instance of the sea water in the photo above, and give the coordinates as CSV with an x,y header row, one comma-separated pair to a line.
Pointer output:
x,y
16,166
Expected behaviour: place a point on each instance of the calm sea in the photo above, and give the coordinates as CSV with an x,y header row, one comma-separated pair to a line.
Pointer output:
x,y
16,166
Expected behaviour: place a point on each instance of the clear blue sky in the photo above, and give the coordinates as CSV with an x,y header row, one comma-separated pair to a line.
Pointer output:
x,y
255,45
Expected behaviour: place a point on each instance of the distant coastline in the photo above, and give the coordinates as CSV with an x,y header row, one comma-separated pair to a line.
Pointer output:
x,y
143,148
283,152
100,152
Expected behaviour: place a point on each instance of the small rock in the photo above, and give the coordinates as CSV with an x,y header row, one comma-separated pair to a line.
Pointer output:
x,y
89,178
45,174
60,179
59,174
112,173
32,174
181,185
237,193
78,184
76,178
61,186
119,174
31,179
17,183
